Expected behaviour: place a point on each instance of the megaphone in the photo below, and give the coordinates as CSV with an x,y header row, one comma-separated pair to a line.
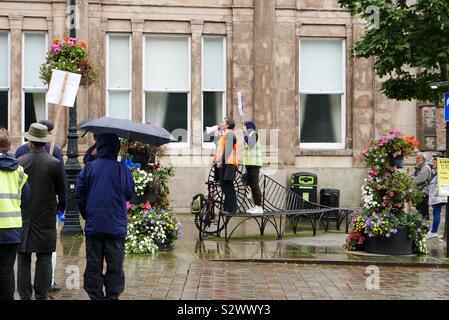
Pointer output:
x,y
210,130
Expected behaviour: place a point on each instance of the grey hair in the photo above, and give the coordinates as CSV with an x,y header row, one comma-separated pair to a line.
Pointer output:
x,y
426,156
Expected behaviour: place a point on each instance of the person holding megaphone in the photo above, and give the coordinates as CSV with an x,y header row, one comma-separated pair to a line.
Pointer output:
x,y
225,161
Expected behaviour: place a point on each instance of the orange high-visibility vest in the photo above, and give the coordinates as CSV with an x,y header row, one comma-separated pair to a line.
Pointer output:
x,y
219,151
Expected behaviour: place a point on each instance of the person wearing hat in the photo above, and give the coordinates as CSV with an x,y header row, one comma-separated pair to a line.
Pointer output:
x,y
46,180
252,160
57,153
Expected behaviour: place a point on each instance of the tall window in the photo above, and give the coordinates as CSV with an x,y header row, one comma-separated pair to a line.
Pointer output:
x,y
119,76
322,93
34,51
167,83
214,83
4,80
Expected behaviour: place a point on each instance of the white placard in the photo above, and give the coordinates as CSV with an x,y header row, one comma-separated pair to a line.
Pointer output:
x,y
56,88
240,103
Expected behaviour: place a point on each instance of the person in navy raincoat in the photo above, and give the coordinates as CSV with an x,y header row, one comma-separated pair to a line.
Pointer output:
x,y
102,190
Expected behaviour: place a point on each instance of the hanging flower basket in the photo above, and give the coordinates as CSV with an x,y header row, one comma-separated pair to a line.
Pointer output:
x,y
71,55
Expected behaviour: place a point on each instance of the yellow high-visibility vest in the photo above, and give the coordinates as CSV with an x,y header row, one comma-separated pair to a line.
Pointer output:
x,y
11,183
252,156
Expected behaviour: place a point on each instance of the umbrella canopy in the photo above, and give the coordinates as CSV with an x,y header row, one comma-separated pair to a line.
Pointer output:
x,y
127,129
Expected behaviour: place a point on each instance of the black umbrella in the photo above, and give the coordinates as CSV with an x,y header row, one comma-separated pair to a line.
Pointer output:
x,y
127,129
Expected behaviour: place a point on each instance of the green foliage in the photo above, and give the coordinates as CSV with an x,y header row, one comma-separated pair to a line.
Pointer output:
x,y
411,34
69,55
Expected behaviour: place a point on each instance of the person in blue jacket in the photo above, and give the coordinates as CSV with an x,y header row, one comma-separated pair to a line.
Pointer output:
x,y
102,190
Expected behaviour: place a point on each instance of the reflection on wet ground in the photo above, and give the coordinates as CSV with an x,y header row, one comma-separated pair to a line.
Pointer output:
x,y
249,267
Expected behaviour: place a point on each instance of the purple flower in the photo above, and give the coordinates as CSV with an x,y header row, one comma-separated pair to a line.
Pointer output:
x,y
388,235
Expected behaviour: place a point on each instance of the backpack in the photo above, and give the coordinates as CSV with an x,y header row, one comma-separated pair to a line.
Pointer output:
x,y
197,203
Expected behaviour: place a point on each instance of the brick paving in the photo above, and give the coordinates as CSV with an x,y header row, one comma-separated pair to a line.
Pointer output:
x,y
218,280
191,271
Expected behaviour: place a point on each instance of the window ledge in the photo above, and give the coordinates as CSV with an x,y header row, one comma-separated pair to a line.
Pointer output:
x,y
324,152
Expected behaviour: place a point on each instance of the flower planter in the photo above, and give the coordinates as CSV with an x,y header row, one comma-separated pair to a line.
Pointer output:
x,y
149,196
397,162
397,244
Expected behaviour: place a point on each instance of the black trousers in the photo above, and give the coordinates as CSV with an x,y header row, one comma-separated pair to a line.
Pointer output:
x,y
42,275
423,207
98,250
8,254
230,198
253,182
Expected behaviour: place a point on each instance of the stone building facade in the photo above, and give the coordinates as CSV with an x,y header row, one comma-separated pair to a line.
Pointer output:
x,y
183,64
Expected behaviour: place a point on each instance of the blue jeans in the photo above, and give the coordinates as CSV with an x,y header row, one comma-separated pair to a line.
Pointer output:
x,y
436,216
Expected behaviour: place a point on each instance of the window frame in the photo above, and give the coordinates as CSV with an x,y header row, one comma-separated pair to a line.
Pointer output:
x,y
319,145
211,145
174,145
8,88
119,90
42,89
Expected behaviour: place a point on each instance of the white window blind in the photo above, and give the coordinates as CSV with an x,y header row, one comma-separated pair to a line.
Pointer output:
x,y
166,63
119,76
213,64
35,49
321,66
119,61
4,60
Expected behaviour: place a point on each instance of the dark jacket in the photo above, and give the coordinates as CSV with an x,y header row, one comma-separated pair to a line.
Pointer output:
x,y
46,179
12,235
102,189
57,153
88,156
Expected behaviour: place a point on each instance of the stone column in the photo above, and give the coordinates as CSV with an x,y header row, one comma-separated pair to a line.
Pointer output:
x,y
196,91
363,101
285,108
137,71
15,110
264,26
229,88
242,60
97,29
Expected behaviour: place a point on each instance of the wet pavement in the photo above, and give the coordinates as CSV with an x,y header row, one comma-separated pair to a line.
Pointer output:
x,y
252,267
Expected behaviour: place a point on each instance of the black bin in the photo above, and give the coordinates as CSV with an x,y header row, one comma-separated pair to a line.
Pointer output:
x,y
305,185
330,198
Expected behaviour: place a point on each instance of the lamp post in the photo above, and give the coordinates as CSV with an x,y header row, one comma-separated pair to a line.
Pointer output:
x,y
72,224
440,86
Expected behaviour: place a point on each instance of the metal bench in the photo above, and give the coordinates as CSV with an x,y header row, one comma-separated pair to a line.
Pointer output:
x,y
281,207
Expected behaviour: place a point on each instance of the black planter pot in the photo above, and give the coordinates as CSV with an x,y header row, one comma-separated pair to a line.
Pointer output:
x,y
149,196
397,244
397,162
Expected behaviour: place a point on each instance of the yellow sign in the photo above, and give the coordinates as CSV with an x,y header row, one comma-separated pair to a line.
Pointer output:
x,y
443,177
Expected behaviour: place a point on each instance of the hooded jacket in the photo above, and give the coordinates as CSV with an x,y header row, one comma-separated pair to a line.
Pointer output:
x,y
12,235
102,189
